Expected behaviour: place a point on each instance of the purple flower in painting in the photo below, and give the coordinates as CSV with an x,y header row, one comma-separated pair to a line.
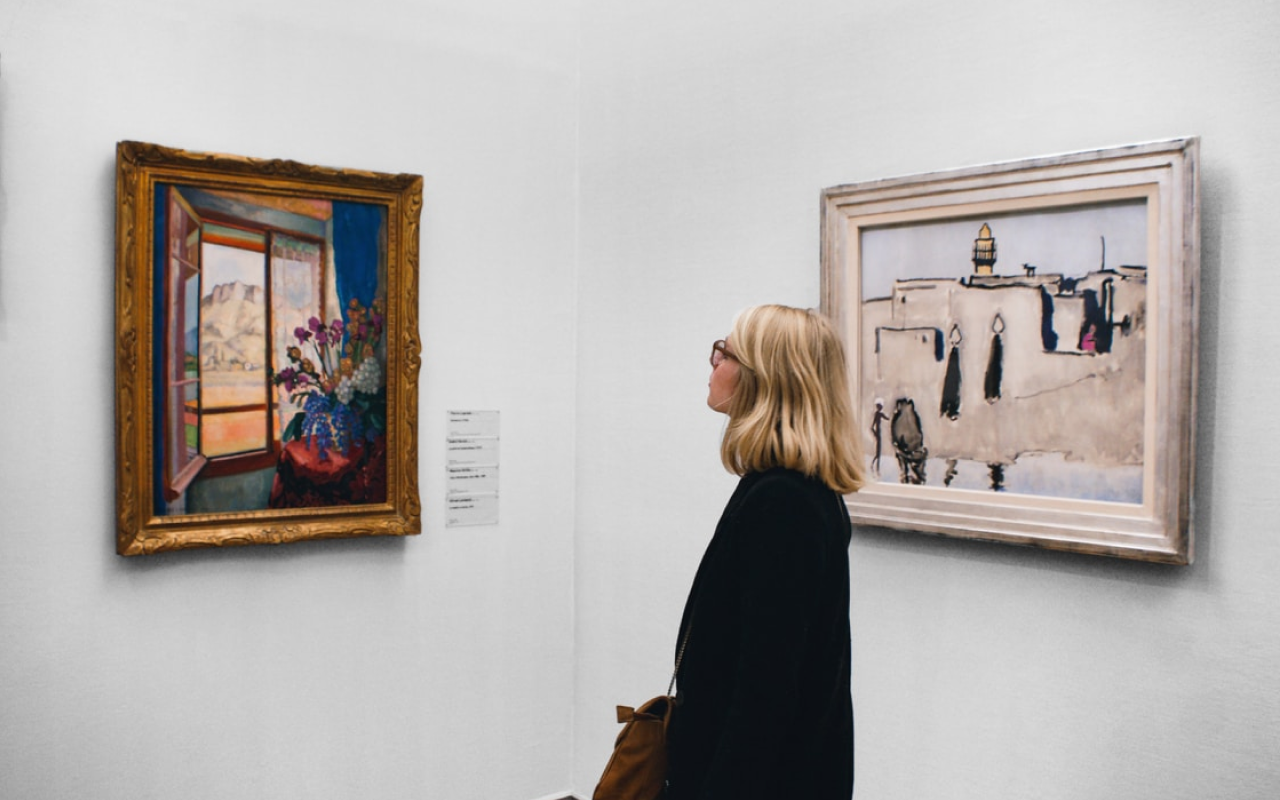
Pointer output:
x,y
301,334
335,330
289,377
319,330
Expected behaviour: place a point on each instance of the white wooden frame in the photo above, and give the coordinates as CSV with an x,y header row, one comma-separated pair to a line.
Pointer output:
x,y
1166,175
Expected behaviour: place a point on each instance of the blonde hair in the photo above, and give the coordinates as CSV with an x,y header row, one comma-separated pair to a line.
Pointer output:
x,y
791,405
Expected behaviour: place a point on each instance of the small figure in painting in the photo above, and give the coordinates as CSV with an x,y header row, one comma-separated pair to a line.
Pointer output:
x,y
908,441
877,420
1089,342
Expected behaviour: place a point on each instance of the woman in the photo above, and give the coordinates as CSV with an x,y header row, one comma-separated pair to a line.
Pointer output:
x,y
763,705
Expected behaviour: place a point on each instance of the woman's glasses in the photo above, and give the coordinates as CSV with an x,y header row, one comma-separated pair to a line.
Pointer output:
x,y
719,352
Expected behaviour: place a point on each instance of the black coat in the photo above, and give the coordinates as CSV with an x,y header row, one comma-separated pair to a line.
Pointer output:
x,y
764,709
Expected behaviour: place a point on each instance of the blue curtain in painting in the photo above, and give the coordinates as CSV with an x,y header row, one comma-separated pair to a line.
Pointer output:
x,y
359,234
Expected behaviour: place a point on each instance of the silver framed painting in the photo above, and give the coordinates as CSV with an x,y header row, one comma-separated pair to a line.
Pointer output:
x,y
1022,347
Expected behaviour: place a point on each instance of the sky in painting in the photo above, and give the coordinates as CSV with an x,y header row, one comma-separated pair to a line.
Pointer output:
x,y
224,265
1061,241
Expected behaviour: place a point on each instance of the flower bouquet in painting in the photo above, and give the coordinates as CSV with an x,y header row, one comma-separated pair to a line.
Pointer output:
x,y
334,450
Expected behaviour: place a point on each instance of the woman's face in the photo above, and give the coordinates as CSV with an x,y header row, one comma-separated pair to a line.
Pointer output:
x,y
724,376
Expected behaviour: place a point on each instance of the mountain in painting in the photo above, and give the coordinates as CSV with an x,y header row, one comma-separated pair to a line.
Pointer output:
x,y
233,328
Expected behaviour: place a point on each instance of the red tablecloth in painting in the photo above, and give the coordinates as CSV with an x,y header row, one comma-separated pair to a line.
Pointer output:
x,y
304,480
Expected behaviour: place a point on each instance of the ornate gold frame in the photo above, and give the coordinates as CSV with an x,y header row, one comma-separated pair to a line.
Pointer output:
x,y
139,528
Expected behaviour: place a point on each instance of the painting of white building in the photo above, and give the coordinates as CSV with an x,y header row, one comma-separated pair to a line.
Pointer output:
x,y
1008,353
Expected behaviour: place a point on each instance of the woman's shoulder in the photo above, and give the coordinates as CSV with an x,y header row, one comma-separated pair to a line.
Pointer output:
x,y
783,488
783,482
782,506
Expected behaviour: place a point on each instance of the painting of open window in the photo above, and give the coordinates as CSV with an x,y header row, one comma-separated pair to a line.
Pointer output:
x,y
1022,348
267,350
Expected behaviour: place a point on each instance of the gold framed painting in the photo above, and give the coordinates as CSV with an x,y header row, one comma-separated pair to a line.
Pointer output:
x,y
1022,347
267,351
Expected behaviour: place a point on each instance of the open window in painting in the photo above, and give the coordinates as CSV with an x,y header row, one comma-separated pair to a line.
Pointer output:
x,y
242,274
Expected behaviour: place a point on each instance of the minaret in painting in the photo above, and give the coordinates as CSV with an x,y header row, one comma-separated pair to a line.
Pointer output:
x,y
984,252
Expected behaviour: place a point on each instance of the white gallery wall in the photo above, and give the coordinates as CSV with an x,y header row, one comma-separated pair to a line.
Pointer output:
x,y
606,184
434,667
980,671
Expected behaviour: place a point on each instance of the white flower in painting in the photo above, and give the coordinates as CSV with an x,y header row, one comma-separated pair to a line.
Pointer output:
x,y
368,376
345,390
